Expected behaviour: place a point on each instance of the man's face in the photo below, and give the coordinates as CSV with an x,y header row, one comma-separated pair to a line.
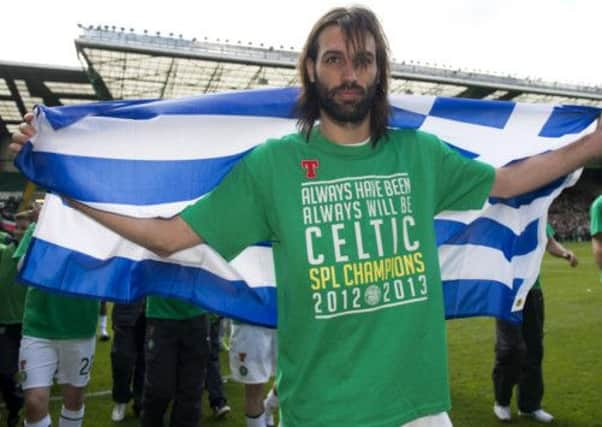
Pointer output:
x,y
345,79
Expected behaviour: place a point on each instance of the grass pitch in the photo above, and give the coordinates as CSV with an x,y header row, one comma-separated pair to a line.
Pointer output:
x,y
572,349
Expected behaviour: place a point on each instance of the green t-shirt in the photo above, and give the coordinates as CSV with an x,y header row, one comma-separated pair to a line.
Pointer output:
x,y
595,214
170,308
25,241
56,316
12,293
59,317
361,331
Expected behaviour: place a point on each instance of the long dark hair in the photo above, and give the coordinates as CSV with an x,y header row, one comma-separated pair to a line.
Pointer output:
x,y
355,23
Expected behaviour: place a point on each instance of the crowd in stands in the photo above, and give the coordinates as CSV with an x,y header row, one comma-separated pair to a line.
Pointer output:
x,y
569,214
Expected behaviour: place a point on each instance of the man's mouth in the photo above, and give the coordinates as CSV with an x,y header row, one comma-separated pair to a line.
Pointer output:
x,y
349,94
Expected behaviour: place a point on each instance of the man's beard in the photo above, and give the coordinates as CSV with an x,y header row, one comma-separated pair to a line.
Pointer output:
x,y
352,112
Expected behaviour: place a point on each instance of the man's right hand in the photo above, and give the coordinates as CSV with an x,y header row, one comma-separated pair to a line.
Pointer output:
x,y
23,134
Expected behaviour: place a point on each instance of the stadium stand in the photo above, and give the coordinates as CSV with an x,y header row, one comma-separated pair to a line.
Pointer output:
x,y
569,214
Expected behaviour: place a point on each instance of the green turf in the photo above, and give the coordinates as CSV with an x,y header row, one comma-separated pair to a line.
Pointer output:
x,y
572,364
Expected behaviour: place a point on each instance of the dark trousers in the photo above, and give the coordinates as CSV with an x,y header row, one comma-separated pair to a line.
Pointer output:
x,y
10,339
518,356
176,361
127,362
214,382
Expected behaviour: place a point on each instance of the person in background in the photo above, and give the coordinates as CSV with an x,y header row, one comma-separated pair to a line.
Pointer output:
x,y
252,359
59,338
127,357
214,382
595,214
176,354
519,351
12,301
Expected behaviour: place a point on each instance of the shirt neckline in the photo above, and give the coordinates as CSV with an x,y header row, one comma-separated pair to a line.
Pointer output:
x,y
318,140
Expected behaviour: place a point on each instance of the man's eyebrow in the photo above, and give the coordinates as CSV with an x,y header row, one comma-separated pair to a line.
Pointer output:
x,y
365,53
332,52
356,54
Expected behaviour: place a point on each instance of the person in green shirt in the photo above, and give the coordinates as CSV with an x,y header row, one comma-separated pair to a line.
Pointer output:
x,y
348,205
519,351
58,343
176,356
596,231
12,297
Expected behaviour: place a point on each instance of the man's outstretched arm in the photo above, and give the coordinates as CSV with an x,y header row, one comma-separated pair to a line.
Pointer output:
x,y
159,235
537,171
163,236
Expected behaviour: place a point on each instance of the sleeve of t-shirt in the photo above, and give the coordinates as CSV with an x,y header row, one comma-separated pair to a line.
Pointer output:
x,y
463,183
233,216
596,217
25,241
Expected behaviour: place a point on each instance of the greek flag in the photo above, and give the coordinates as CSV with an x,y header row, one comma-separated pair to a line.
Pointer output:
x,y
148,158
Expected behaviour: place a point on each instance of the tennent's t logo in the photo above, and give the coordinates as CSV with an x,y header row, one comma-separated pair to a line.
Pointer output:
x,y
310,167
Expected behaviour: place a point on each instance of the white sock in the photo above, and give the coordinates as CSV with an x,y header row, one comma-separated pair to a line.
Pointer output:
x,y
258,421
271,401
270,404
103,324
44,422
71,418
269,419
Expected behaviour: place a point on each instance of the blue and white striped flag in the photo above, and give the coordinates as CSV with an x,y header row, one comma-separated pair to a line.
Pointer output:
x,y
152,158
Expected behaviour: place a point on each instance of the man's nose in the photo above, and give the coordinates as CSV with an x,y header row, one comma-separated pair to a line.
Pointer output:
x,y
349,72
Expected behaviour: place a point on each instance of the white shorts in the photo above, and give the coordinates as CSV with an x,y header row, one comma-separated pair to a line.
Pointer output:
x,y
252,353
68,361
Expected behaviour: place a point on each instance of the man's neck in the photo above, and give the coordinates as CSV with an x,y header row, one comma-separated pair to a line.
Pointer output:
x,y
344,133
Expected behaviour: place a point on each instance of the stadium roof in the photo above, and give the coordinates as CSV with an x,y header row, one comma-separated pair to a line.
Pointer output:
x,y
24,85
125,64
